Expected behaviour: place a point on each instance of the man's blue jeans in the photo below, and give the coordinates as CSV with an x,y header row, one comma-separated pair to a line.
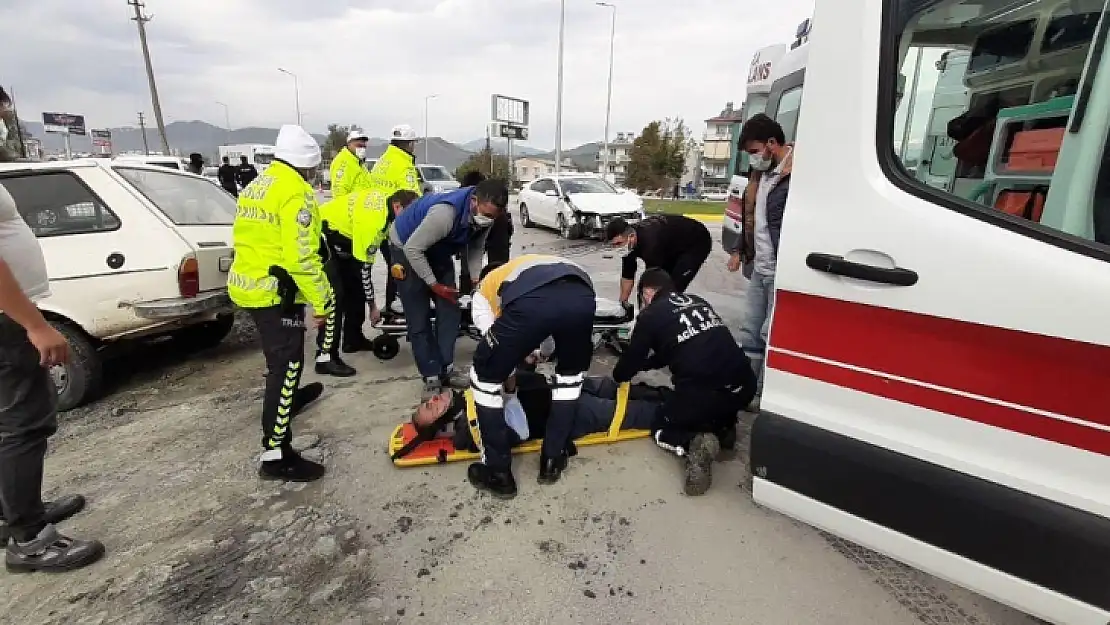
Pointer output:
x,y
760,304
433,346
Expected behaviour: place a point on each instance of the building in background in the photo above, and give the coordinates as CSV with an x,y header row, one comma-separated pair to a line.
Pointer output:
x,y
620,150
527,169
718,145
693,172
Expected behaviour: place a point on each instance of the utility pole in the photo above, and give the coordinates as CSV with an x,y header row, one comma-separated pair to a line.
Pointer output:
x,y
142,129
18,125
227,123
559,95
141,20
296,92
427,98
609,98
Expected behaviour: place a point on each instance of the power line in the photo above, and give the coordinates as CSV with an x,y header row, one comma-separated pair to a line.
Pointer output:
x,y
141,20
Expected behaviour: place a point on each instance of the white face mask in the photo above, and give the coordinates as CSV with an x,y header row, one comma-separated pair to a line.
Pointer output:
x,y
759,162
360,152
625,249
481,220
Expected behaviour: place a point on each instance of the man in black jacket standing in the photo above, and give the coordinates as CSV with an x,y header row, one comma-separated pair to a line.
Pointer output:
x,y
245,172
226,175
713,379
674,243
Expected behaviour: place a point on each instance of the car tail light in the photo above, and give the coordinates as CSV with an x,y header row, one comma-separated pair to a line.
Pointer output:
x,y
188,277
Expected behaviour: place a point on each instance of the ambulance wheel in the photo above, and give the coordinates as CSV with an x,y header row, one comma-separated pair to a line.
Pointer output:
x,y
386,347
525,218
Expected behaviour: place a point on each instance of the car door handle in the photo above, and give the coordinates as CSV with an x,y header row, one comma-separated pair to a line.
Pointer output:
x,y
839,266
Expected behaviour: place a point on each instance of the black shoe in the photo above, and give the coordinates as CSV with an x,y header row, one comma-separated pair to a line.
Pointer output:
x,y
552,468
57,511
358,344
727,437
500,484
292,468
335,367
50,552
699,464
305,395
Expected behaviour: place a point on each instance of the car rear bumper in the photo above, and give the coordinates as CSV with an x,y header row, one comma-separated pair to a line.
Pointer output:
x,y
173,308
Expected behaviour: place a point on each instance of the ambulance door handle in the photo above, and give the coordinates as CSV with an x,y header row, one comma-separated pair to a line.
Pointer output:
x,y
840,266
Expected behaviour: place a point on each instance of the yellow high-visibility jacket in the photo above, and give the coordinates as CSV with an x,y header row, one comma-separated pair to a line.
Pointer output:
x,y
347,174
369,218
395,170
278,223
336,212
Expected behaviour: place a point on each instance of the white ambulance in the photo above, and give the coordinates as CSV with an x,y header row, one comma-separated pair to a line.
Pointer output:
x,y
938,370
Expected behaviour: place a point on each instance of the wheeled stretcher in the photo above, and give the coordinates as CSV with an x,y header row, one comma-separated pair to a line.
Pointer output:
x,y
612,324
442,450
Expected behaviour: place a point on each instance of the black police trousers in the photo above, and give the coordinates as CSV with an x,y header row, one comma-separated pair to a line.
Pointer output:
x,y
344,272
282,336
689,411
562,310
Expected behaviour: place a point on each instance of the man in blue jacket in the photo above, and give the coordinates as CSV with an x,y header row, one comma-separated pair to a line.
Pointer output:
x,y
424,240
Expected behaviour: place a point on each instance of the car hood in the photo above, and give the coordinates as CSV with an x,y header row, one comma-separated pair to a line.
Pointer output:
x,y
606,203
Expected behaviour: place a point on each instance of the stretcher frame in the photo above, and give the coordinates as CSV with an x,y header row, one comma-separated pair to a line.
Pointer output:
x,y
613,435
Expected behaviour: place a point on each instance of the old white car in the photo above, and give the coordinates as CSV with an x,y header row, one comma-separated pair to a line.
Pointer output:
x,y
133,251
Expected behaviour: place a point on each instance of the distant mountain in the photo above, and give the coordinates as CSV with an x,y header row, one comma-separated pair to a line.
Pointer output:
x,y
584,156
202,137
500,146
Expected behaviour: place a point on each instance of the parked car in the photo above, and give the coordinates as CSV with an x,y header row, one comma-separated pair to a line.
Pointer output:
x,y
436,179
715,195
578,205
134,251
170,162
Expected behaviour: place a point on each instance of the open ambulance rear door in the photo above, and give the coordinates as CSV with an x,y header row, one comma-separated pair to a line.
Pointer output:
x,y
938,370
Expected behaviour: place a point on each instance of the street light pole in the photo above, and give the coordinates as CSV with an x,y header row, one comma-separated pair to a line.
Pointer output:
x,y
227,122
427,99
609,97
296,92
559,95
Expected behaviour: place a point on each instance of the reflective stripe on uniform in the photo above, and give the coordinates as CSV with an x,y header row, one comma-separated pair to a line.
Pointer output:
x,y
486,394
492,285
285,405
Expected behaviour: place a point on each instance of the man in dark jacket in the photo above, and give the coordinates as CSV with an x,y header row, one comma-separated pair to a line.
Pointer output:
x,y
245,172
196,163
226,175
674,243
764,141
712,378
498,240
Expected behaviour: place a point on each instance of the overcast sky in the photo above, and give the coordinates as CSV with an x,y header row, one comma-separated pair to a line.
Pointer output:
x,y
372,62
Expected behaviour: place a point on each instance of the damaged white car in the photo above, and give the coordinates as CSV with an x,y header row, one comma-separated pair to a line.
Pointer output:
x,y
577,205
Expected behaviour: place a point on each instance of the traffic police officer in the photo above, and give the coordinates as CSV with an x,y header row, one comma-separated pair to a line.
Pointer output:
x,y
370,218
713,379
394,171
347,173
425,238
517,306
345,274
277,269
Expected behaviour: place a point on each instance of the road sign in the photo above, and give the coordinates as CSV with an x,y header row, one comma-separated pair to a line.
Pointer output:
x,y
64,123
509,110
511,131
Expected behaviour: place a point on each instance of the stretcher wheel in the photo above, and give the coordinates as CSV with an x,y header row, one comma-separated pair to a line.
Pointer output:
x,y
386,347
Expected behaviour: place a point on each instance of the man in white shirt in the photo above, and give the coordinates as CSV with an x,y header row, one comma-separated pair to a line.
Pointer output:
x,y
29,346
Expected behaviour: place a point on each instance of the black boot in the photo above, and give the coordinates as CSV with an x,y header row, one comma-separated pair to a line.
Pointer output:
x,y
699,464
305,395
552,468
335,367
727,437
56,511
500,484
291,468
357,344
50,552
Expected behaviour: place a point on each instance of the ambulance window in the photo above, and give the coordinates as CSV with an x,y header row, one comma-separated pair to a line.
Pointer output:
x,y
790,102
991,131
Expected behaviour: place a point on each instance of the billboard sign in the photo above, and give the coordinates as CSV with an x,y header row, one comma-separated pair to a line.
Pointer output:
x,y
102,139
64,123
506,110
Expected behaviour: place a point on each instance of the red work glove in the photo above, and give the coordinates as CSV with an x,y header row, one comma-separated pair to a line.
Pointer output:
x,y
448,293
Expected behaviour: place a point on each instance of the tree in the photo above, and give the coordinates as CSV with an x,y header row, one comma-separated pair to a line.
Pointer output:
x,y
480,161
336,139
658,156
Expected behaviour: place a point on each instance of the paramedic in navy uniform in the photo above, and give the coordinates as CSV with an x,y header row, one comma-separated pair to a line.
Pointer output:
x,y
713,379
518,306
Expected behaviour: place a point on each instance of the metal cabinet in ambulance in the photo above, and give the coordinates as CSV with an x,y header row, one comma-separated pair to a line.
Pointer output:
x,y
938,369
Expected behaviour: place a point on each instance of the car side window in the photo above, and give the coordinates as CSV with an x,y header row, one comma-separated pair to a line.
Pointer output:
x,y
991,120
57,203
541,186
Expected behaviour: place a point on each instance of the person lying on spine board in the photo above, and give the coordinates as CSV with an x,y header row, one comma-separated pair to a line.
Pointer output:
x,y
528,407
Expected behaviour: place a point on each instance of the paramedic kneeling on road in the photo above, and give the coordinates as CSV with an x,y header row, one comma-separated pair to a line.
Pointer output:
x,y
762,138
676,244
424,240
713,379
277,268
517,306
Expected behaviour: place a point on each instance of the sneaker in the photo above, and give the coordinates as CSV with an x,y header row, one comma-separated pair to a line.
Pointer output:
x,y
753,407
454,378
50,552
432,387
551,469
699,464
500,484
56,511
291,468
305,395
357,344
727,438
334,366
